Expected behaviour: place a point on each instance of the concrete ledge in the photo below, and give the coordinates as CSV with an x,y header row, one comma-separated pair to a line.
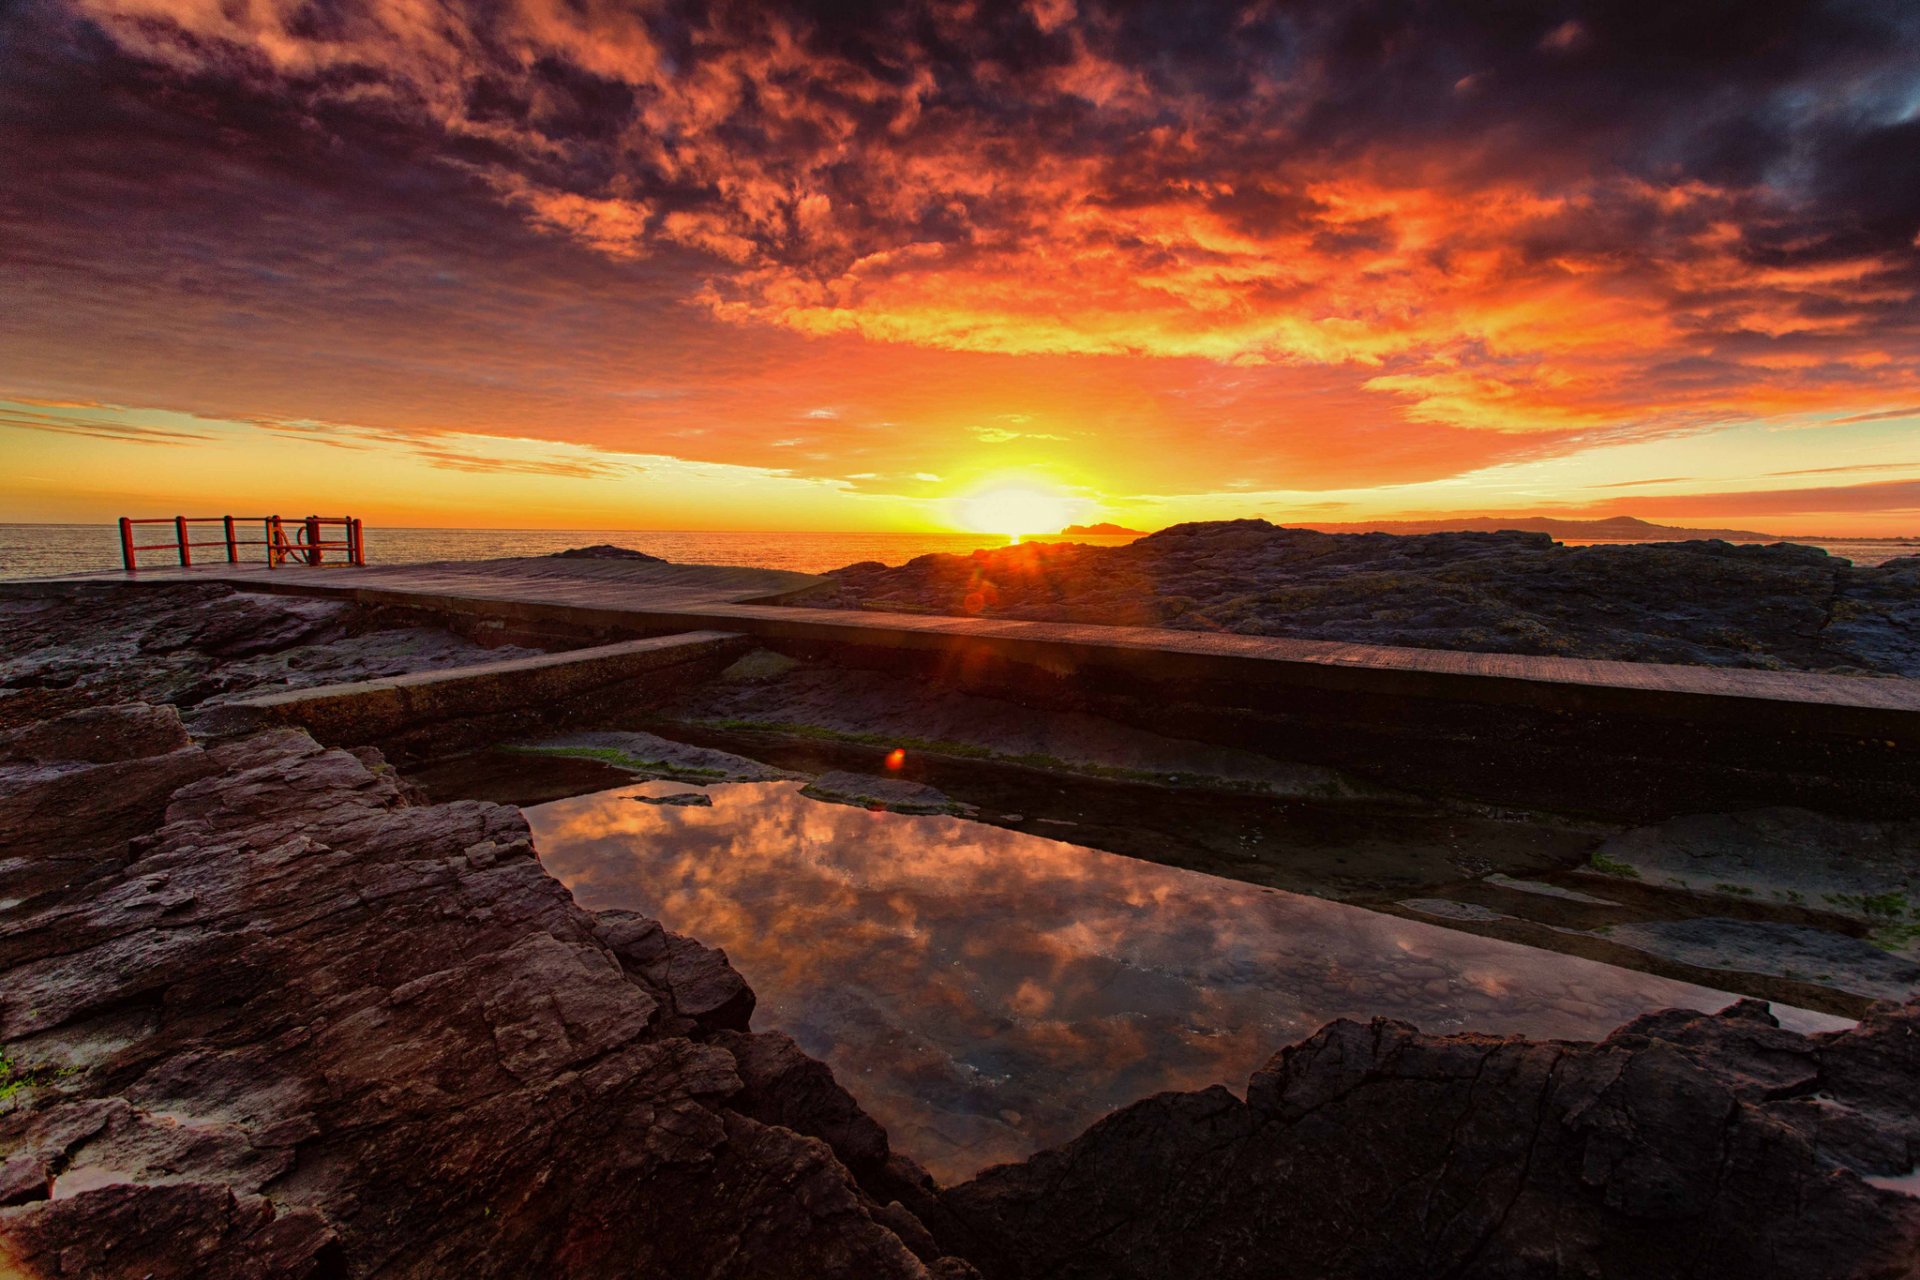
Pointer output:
x,y
1225,669
396,706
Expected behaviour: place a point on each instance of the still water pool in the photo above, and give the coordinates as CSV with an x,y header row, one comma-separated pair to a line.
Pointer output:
x,y
987,992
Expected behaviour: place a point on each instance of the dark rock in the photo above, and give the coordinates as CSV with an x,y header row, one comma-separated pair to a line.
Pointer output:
x,y
300,1025
783,1086
606,551
98,735
201,644
1776,606
696,985
679,800
1682,1145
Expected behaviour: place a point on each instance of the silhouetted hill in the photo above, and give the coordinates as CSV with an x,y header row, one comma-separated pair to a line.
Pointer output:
x,y
1612,529
1101,530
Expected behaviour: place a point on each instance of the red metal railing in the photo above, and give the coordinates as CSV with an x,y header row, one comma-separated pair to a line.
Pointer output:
x,y
309,543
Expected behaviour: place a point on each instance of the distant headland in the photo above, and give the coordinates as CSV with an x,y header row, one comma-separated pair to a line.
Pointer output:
x,y
1102,530
1612,529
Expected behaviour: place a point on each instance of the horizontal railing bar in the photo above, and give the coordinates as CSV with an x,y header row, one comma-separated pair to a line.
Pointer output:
x,y
242,519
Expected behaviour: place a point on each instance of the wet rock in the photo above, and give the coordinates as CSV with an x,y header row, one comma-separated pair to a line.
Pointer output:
x,y
1449,909
679,800
1681,1145
606,551
901,795
1867,870
1785,950
1543,890
654,756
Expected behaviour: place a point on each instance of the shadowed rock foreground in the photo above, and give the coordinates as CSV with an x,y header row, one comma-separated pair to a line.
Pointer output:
x,y
264,1012
272,1018
1681,1145
1781,606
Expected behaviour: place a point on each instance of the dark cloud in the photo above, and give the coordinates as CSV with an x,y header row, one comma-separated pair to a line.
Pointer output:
x,y
1578,217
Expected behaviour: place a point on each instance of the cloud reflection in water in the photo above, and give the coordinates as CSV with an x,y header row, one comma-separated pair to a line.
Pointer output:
x,y
985,992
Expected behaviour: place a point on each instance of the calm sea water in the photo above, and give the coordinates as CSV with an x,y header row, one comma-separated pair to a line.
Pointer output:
x,y
32,550
29,550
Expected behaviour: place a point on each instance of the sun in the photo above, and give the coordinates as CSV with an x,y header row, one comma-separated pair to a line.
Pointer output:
x,y
1015,510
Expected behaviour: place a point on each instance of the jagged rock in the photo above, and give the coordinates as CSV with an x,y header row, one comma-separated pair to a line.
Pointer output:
x,y
1681,1145
605,551
191,645
301,1025
694,981
1697,602
783,1086
679,800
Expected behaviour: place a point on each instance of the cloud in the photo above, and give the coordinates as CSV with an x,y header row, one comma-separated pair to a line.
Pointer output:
x,y
1002,435
1634,220
1890,496
99,428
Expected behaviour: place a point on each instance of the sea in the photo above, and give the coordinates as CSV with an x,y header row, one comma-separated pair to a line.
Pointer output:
x,y
36,550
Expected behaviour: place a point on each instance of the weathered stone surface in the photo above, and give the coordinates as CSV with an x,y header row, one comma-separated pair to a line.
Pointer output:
x,y
605,551
1867,870
199,644
695,982
1769,946
651,755
301,1025
1781,606
1682,1145
98,735
783,1086
902,795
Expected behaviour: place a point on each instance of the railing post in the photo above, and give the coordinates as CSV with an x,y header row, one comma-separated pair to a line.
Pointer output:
x,y
126,543
271,532
357,535
180,532
233,551
313,539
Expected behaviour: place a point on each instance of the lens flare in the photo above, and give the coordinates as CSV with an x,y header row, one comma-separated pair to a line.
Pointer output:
x,y
1015,510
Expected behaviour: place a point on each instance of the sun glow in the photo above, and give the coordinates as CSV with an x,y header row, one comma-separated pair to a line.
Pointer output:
x,y
1015,510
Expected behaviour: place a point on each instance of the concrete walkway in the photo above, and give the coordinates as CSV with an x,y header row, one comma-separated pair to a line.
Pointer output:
x,y
627,598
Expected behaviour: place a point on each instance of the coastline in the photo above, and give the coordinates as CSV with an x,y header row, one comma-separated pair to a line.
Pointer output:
x,y
177,803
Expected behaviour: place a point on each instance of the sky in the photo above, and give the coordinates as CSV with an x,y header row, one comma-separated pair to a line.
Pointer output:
x,y
649,264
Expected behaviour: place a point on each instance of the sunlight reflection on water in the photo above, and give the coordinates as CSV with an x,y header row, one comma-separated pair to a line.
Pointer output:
x,y
986,993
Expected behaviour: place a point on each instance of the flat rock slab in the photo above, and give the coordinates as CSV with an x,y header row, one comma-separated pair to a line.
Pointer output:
x,y
1785,950
901,795
653,756
1867,870
1448,909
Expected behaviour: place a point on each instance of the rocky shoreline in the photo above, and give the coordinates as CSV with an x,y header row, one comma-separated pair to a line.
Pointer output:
x,y
1783,607
265,1011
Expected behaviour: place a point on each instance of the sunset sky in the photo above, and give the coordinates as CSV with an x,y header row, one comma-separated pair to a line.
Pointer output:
x,y
617,263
